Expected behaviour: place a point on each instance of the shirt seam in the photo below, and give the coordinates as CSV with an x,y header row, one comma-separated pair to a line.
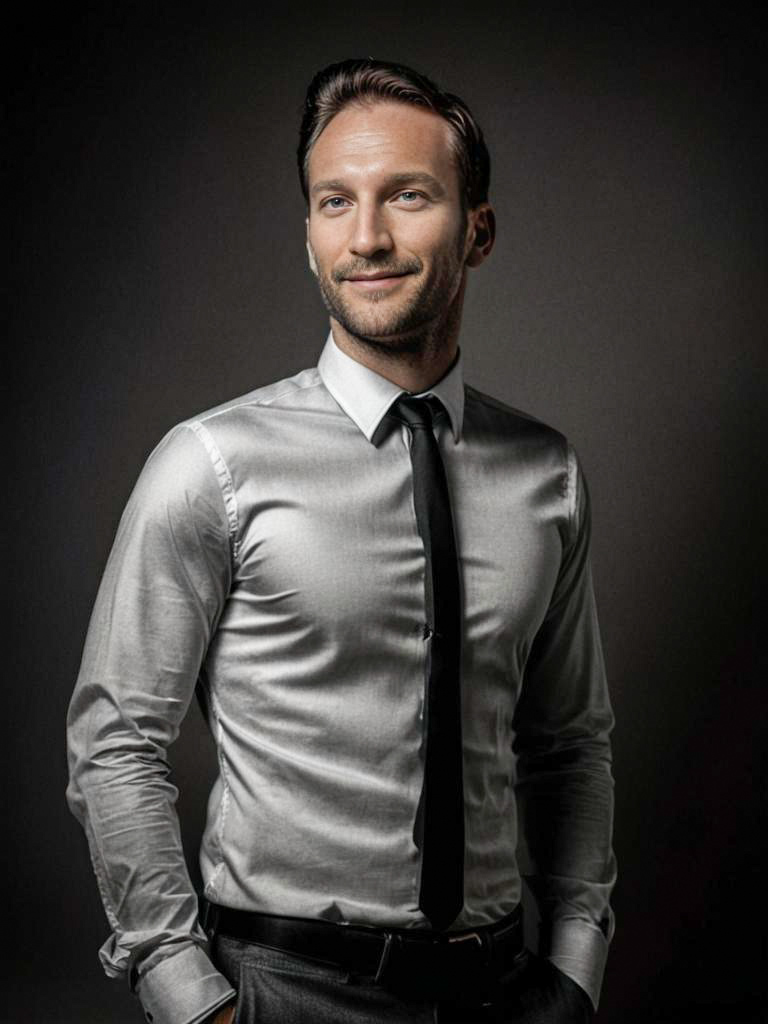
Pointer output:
x,y
211,890
229,497
226,486
264,402
290,391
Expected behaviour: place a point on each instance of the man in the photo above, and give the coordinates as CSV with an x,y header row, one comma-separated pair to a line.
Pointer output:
x,y
378,580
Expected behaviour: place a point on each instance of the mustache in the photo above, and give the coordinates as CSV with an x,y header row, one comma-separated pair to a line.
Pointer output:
x,y
357,267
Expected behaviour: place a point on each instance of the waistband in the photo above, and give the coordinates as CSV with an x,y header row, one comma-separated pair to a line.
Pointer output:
x,y
402,957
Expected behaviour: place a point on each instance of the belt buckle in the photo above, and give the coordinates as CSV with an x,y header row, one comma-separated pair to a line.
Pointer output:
x,y
469,952
386,952
467,938
401,968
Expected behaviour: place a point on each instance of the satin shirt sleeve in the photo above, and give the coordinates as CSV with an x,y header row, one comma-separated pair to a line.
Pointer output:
x,y
564,785
160,597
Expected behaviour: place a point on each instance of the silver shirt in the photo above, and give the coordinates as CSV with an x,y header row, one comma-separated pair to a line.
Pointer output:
x,y
269,554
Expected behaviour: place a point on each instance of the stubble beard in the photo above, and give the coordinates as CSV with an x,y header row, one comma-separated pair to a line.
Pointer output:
x,y
421,326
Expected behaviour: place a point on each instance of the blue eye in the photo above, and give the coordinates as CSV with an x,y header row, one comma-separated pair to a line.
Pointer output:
x,y
409,196
334,203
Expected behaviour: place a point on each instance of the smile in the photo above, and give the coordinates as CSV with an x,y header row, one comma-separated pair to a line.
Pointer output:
x,y
376,281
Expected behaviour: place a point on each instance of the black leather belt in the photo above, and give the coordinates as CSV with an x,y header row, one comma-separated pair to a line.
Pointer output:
x,y
400,955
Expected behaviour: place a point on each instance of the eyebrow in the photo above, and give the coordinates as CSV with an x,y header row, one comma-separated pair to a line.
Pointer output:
x,y
393,181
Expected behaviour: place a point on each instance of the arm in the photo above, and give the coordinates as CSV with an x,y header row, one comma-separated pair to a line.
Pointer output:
x,y
565,787
162,592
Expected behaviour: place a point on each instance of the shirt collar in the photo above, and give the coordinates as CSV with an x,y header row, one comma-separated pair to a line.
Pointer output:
x,y
365,396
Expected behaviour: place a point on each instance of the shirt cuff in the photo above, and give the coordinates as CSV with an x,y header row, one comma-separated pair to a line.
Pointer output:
x,y
183,989
580,950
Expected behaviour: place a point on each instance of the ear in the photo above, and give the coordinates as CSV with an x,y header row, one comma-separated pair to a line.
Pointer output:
x,y
310,253
482,234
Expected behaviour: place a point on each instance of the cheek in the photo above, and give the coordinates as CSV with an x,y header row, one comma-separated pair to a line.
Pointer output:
x,y
326,240
440,240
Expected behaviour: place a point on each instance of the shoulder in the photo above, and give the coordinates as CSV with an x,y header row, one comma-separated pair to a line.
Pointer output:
x,y
540,445
193,447
177,482
295,389
492,415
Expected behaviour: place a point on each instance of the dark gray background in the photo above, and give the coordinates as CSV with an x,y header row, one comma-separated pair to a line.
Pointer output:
x,y
157,268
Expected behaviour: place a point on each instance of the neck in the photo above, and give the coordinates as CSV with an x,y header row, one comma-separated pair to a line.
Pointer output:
x,y
413,362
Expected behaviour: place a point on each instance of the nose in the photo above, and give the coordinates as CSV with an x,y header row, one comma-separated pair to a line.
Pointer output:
x,y
370,232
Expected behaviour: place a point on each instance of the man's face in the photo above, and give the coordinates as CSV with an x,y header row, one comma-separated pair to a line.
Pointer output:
x,y
386,230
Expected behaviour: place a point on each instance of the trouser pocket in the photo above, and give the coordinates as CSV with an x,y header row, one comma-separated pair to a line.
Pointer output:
x,y
276,987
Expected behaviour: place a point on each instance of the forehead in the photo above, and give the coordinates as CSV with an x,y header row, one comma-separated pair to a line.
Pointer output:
x,y
377,138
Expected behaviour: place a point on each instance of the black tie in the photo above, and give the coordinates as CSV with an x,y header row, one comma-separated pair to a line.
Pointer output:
x,y
440,822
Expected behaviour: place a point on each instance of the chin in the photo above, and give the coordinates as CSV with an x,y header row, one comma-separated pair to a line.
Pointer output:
x,y
413,340
385,330
393,332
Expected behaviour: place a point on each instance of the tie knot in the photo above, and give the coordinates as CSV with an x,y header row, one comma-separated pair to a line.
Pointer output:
x,y
416,412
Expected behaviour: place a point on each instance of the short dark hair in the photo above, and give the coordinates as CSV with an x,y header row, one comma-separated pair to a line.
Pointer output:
x,y
348,81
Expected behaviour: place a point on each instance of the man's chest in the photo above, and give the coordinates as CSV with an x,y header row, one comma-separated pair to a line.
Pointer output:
x,y
329,541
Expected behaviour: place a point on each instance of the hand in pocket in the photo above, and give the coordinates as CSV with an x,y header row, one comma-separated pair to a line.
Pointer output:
x,y
546,995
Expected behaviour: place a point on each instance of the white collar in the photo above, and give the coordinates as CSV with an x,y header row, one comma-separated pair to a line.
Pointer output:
x,y
366,396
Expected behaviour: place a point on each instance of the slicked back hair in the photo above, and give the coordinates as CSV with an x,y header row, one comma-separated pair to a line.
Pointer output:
x,y
364,80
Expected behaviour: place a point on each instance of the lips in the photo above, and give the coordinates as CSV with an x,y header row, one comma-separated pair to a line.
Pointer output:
x,y
382,275
381,281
